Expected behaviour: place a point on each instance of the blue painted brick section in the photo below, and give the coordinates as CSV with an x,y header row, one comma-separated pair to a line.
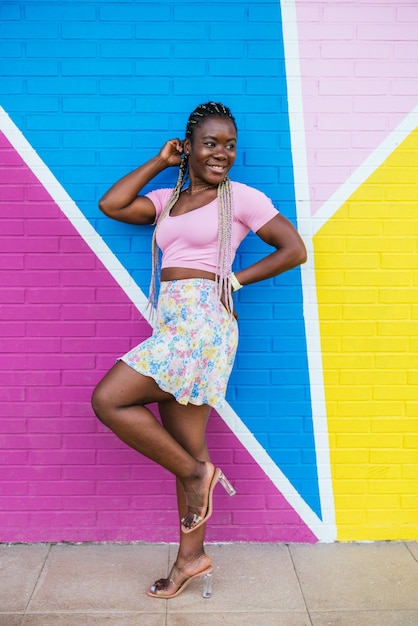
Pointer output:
x,y
61,12
21,30
140,12
10,12
230,13
135,49
264,12
41,49
222,50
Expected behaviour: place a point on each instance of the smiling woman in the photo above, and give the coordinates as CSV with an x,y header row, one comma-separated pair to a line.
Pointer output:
x,y
186,363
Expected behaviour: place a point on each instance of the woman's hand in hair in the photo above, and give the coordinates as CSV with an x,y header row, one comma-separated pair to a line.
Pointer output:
x,y
171,152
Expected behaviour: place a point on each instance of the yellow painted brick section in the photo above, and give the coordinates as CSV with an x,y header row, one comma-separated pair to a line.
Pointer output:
x,y
369,410
392,176
411,441
400,392
390,486
397,192
348,457
399,425
401,294
413,343
331,276
381,211
344,328
410,471
367,501
386,361
400,261
362,294
357,518
401,456
398,228
366,265
393,532
380,278
412,409
360,470
357,394
392,517
382,312
382,244
397,328
372,193
390,377
365,440
375,344
350,487
332,312
359,361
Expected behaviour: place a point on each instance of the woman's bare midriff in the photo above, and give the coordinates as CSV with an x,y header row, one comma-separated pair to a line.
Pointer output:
x,y
180,273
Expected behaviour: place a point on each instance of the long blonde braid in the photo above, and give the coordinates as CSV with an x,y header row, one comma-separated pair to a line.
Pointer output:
x,y
225,212
156,263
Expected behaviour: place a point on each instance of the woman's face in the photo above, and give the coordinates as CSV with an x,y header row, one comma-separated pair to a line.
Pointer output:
x,y
212,151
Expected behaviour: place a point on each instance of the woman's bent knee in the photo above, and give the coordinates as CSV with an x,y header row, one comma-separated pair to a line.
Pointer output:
x,y
101,404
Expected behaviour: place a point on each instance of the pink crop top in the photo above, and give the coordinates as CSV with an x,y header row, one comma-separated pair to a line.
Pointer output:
x,y
190,240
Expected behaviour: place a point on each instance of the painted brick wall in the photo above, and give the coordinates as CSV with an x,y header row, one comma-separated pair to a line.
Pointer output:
x,y
89,90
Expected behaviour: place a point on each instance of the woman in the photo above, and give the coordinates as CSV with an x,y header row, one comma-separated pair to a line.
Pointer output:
x,y
185,365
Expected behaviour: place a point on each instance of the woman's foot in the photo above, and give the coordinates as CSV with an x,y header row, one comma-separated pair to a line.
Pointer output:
x,y
180,577
199,498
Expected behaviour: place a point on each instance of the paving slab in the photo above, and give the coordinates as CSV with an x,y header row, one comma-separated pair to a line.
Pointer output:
x,y
104,578
20,568
247,578
97,619
366,577
365,618
238,619
10,620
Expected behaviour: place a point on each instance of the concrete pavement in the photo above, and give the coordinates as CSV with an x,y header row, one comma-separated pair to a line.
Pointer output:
x,y
354,584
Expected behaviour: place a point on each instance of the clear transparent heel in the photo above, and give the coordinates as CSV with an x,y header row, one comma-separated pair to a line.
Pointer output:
x,y
226,485
207,585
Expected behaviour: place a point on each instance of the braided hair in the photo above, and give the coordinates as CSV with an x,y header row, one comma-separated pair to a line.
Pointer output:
x,y
225,209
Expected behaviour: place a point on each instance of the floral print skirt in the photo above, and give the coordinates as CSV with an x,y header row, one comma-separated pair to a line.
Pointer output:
x,y
192,348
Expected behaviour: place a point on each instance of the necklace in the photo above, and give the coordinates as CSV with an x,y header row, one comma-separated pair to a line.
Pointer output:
x,y
189,191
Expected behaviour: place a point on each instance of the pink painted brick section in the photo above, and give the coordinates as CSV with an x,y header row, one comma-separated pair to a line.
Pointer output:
x,y
66,477
360,50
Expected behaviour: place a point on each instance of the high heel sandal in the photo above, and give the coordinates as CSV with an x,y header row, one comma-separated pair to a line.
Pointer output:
x,y
176,577
198,520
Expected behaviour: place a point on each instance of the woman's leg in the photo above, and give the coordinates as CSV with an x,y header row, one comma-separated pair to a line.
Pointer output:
x,y
187,424
119,400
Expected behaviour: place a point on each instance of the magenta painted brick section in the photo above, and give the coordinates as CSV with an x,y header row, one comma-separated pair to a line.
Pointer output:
x,y
64,476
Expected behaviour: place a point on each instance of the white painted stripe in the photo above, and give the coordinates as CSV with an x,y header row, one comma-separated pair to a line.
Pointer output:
x,y
123,278
327,531
366,169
